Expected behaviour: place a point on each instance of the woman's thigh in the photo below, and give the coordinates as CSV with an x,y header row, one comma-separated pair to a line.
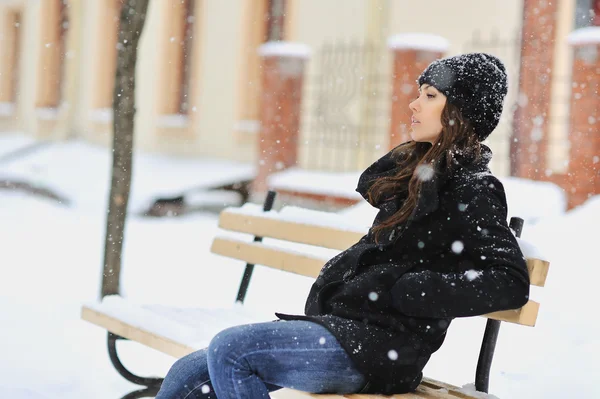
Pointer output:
x,y
292,354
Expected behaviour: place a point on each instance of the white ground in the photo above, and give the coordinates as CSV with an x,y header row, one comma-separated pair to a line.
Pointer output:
x,y
51,258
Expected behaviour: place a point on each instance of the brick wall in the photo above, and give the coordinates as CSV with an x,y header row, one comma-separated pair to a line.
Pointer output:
x,y
583,178
529,143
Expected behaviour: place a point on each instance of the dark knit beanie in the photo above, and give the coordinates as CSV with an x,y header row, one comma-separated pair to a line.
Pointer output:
x,y
476,83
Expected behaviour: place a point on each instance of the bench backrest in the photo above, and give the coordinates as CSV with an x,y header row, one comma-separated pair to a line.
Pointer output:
x,y
294,231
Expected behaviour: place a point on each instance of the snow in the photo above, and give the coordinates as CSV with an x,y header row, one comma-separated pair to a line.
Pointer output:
x,y
80,172
529,200
7,109
190,326
419,41
102,115
284,49
51,261
533,200
175,120
307,216
583,36
530,250
47,113
11,142
334,184
250,126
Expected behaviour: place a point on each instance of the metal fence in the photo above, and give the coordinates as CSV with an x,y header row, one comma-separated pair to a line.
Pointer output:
x,y
346,107
347,103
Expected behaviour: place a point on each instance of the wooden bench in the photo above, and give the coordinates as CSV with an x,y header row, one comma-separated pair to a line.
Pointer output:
x,y
296,241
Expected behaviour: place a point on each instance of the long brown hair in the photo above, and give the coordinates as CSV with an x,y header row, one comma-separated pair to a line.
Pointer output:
x,y
422,161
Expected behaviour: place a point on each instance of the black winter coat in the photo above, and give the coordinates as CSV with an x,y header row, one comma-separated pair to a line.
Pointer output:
x,y
390,304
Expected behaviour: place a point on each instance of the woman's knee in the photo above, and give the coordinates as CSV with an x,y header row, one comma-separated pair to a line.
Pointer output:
x,y
185,376
228,341
189,368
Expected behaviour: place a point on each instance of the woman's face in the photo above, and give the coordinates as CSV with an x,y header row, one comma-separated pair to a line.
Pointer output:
x,y
427,114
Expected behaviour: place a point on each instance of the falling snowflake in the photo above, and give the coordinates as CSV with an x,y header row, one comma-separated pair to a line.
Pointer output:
x,y
424,172
472,274
373,296
457,247
322,340
205,389
393,355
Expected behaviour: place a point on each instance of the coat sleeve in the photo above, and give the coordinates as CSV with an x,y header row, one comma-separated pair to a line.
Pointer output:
x,y
493,274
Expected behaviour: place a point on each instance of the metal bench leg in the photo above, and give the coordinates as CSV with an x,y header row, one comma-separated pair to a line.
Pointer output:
x,y
142,393
484,365
490,336
152,384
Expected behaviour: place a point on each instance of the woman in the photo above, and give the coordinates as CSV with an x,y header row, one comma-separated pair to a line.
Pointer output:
x,y
439,248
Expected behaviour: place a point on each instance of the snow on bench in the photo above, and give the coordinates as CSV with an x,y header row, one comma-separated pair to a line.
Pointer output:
x,y
523,195
332,184
176,331
346,222
80,172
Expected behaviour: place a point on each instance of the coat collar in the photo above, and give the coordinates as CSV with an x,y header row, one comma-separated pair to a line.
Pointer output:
x,y
429,197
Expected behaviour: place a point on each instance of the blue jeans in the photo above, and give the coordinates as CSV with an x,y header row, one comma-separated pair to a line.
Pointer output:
x,y
249,361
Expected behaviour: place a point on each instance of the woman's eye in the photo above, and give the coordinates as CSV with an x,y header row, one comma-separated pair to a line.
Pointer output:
x,y
431,96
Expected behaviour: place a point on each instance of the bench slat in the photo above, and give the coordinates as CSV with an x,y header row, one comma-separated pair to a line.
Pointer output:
x,y
147,338
422,392
258,253
538,271
525,316
453,390
327,237
264,226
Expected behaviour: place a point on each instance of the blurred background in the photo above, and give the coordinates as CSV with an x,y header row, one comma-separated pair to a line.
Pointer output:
x,y
236,97
203,85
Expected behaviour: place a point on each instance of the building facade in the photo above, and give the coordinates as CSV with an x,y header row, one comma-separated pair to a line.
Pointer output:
x,y
199,75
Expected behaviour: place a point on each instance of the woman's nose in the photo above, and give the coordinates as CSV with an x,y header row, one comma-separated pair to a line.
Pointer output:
x,y
413,105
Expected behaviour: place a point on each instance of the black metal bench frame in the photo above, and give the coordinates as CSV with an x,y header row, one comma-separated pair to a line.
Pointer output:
x,y
152,384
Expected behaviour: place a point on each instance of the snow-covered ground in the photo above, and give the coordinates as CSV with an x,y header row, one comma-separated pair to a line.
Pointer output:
x,y
80,172
51,261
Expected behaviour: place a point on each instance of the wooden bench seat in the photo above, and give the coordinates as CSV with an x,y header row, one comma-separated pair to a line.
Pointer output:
x,y
292,240
180,331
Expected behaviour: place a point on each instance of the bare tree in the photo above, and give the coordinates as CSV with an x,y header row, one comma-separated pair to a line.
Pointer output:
x,y
131,23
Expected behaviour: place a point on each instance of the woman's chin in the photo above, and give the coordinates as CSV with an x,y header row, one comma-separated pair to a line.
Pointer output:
x,y
415,136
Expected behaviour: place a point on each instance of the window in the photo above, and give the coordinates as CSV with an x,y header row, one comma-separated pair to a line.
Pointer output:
x,y
586,13
108,37
54,29
263,21
11,49
275,20
178,58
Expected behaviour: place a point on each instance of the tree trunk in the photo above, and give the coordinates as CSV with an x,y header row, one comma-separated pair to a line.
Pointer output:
x,y
133,15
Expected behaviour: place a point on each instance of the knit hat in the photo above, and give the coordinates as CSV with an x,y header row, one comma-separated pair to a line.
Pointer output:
x,y
476,83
